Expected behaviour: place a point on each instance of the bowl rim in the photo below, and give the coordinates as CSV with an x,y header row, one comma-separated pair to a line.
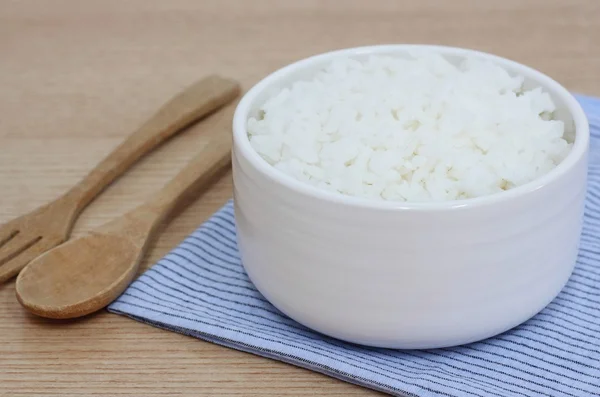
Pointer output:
x,y
242,143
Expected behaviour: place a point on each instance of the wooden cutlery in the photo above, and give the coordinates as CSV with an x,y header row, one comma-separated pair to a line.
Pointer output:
x,y
29,236
85,274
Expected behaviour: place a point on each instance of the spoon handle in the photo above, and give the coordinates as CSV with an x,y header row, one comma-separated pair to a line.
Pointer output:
x,y
214,158
195,102
140,223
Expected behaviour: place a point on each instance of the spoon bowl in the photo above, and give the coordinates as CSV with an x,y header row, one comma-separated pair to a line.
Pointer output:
x,y
46,286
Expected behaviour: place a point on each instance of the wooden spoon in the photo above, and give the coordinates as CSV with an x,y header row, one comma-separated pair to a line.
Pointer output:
x,y
86,274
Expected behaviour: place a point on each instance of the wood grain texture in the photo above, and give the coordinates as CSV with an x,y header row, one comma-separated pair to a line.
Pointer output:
x,y
77,76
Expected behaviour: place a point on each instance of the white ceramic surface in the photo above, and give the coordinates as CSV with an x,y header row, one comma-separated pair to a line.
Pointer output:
x,y
404,275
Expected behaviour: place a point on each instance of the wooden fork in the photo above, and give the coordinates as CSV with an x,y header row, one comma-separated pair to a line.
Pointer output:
x,y
26,237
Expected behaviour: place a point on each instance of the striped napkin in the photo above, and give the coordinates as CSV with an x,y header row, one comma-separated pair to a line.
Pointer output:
x,y
200,289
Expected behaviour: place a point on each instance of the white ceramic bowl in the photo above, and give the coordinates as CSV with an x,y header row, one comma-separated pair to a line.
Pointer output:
x,y
407,275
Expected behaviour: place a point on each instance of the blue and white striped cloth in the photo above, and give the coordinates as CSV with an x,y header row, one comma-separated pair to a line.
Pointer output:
x,y
200,289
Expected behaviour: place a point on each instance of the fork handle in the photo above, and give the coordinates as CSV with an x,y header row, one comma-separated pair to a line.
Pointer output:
x,y
195,102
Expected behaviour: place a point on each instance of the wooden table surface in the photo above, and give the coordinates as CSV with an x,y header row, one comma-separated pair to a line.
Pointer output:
x,y
77,76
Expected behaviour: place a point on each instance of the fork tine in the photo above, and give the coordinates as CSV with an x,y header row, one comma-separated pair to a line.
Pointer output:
x,y
6,234
12,267
15,246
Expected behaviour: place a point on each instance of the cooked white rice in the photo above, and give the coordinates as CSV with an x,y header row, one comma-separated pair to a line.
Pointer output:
x,y
418,129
